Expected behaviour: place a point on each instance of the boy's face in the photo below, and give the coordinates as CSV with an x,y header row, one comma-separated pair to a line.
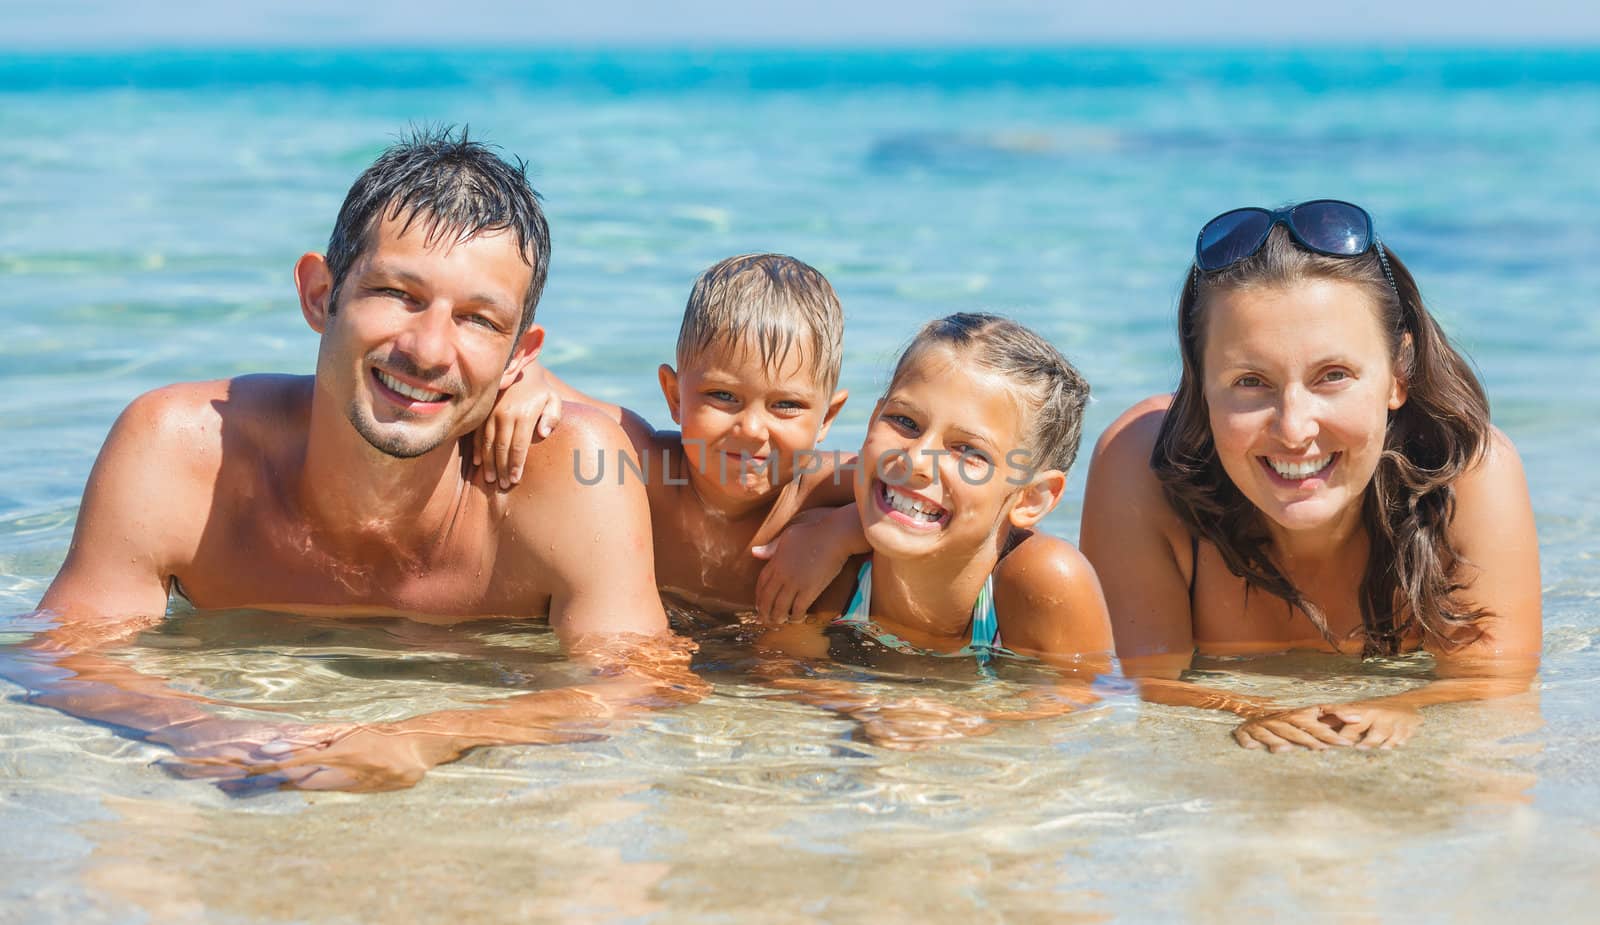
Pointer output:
x,y
743,423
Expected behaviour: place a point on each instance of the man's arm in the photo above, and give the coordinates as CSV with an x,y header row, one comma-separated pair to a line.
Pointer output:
x,y
143,508
589,548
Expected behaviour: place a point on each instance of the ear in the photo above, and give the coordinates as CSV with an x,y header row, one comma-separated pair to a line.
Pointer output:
x,y
315,283
1400,390
525,352
669,390
835,404
1038,498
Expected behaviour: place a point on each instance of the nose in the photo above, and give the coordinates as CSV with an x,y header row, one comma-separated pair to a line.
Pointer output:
x,y
1296,417
428,340
922,465
752,424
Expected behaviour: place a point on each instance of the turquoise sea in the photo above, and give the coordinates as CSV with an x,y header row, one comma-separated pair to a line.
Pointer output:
x,y
153,204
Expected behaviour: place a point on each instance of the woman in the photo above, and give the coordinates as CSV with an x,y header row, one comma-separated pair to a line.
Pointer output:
x,y
1325,477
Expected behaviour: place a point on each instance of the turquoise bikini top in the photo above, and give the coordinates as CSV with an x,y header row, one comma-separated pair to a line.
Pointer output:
x,y
985,640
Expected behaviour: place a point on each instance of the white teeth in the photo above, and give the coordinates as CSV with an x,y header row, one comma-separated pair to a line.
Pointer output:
x,y
1298,470
912,507
410,391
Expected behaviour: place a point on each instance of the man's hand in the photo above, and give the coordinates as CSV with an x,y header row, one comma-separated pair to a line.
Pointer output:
x,y
527,410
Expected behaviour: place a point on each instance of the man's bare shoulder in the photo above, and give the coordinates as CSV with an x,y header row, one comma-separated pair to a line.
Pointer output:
x,y
195,424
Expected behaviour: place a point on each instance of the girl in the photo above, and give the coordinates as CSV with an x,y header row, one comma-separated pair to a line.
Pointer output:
x,y
966,452
1330,451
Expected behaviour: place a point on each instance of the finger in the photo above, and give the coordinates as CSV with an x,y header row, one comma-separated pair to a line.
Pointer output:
x,y
1245,739
1294,735
807,595
503,443
764,551
1270,740
1307,723
551,416
521,439
490,432
1355,729
477,442
1379,734
766,588
785,603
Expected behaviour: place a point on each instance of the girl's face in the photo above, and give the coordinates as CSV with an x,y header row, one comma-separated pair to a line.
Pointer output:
x,y
942,465
1299,381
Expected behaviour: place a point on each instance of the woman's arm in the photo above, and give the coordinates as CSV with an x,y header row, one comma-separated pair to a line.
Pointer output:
x,y
1140,550
1493,531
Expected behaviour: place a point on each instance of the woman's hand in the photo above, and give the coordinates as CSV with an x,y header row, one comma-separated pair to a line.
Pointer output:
x,y
1303,726
527,410
1362,725
1372,724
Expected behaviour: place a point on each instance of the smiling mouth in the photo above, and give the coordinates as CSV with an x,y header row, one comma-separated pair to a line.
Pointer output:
x,y
909,509
1300,470
410,393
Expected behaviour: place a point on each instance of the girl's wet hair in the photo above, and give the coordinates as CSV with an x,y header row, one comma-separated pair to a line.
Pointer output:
x,y
1413,571
1051,391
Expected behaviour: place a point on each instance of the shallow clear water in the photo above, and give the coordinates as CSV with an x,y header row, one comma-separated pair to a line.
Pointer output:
x,y
155,203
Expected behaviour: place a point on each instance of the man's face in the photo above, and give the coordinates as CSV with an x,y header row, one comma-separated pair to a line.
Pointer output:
x,y
418,345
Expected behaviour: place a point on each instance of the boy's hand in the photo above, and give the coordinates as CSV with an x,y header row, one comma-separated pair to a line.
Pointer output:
x,y
529,409
804,559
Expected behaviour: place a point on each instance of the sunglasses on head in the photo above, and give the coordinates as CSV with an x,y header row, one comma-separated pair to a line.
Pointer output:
x,y
1331,227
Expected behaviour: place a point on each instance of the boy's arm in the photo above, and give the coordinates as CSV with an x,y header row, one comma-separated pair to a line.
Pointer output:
x,y
529,410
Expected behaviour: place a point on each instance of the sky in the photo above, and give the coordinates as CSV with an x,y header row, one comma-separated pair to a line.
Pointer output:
x,y
88,24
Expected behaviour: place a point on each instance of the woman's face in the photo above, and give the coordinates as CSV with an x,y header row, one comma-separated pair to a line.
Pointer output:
x,y
1299,381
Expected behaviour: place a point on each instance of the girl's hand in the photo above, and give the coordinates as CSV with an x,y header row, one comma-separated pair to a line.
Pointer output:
x,y
804,559
528,409
1315,728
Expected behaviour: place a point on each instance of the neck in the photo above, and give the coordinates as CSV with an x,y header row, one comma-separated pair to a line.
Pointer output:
x,y
1325,546
931,595
719,504
354,497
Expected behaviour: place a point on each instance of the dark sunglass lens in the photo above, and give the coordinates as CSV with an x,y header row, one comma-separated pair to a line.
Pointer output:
x,y
1231,237
1336,228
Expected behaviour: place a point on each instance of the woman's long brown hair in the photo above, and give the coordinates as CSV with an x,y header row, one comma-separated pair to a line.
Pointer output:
x,y
1413,571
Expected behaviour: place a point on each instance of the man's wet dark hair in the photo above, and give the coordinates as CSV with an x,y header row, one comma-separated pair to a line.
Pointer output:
x,y
455,187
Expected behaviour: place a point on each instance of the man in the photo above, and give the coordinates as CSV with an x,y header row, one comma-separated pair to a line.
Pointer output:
x,y
348,491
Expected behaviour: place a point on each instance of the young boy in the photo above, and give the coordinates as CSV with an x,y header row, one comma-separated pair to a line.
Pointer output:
x,y
753,392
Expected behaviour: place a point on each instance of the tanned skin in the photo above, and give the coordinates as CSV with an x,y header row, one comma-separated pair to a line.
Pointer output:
x,y
272,492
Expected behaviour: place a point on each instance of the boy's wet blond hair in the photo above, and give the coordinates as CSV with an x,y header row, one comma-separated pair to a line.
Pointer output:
x,y
775,302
